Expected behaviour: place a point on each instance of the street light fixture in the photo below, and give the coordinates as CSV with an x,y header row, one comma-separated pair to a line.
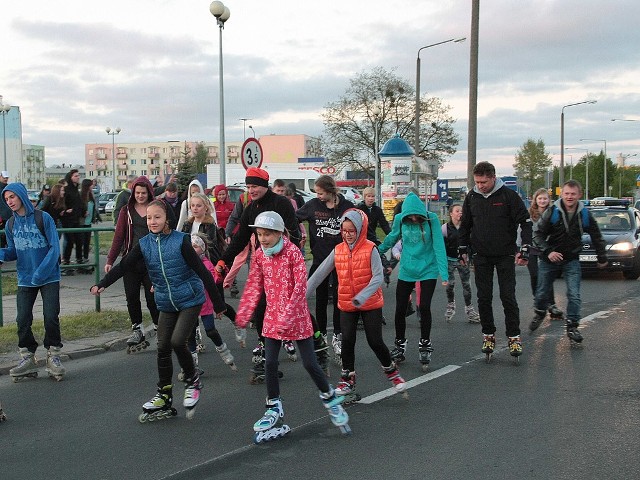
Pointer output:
x,y
4,111
252,131
605,159
244,123
376,139
113,134
222,14
417,120
561,172
624,120
586,189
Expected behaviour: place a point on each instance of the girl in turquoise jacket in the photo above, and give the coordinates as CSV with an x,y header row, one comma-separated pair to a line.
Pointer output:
x,y
423,258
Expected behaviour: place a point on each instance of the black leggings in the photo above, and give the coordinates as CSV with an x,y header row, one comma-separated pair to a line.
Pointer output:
x,y
403,292
173,331
322,301
132,280
372,321
73,239
309,361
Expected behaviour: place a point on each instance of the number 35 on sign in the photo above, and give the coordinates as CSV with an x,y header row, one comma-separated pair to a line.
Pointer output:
x,y
251,153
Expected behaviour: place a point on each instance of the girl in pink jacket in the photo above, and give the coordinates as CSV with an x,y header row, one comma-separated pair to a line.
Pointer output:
x,y
278,269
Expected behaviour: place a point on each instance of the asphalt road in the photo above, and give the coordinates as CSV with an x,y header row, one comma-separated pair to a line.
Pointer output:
x,y
561,413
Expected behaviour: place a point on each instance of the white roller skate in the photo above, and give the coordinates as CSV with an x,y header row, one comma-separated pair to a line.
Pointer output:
x,y
450,312
290,348
27,368
393,375
200,347
241,336
488,345
339,416
192,395
159,407
271,426
397,353
347,387
136,342
472,315
226,356
336,343
424,352
54,365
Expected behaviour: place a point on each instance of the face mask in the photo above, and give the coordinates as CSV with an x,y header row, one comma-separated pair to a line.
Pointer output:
x,y
271,251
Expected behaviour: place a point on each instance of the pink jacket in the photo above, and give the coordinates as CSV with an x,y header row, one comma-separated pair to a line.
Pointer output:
x,y
283,278
207,306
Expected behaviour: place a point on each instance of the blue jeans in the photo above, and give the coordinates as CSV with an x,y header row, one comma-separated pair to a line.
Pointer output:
x,y
547,273
25,300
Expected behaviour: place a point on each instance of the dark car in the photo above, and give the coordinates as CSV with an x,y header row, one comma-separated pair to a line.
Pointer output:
x,y
620,227
105,198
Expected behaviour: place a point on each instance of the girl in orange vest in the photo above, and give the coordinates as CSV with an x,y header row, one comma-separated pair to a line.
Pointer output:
x,y
360,276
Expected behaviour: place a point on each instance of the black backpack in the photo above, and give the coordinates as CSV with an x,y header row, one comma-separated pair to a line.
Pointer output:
x,y
39,222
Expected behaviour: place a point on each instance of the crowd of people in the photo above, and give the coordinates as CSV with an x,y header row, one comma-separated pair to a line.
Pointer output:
x,y
184,254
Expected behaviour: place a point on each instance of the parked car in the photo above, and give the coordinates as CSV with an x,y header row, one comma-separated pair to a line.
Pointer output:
x,y
110,207
620,227
351,194
104,198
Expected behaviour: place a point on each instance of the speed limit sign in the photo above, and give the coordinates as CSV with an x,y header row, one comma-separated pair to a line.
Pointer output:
x,y
251,153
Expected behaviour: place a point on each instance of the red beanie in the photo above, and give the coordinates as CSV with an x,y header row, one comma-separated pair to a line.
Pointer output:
x,y
219,188
257,176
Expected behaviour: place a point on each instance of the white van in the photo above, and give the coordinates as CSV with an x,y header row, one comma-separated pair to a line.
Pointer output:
x,y
302,176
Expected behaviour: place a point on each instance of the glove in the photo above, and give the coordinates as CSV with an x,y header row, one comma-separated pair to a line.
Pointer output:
x,y
463,251
524,252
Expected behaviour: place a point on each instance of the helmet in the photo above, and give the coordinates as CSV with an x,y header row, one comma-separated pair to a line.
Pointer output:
x,y
270,221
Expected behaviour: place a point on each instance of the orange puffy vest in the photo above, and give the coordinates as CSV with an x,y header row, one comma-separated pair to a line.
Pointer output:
x,y
354,273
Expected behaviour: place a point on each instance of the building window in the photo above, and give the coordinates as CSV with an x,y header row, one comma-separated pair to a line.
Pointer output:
x,y
132,161
143,172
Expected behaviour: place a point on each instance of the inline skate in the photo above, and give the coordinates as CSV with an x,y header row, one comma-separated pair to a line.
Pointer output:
x,y
472,315
575,337
393,375
54,365
159,407
271,426
27,368
290,348
555,313
84,270
322,353
234,289
3,416
199,343
424,352
336,344
346,387
515,348
226,356
488,345
241,336
196,365
257,375
538,318
192,395
258,352
136,342
450,312
397,353
339,416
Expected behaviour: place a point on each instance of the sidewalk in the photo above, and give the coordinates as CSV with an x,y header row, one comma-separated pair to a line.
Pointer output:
x,y
74,298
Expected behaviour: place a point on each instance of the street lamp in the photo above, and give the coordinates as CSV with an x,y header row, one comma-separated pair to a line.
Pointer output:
x,y
244,123
417,120
561,172
4,111
377,184
252,131
605,159
113,134
586,180
624,120
222,14
624,159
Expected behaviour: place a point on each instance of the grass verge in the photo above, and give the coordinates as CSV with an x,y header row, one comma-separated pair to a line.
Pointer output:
x,y
72,327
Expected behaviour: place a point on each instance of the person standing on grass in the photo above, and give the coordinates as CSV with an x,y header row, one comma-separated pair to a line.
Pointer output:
x,y
34,244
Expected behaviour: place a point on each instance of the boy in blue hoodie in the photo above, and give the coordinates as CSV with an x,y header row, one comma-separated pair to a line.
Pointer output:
x,y
38,257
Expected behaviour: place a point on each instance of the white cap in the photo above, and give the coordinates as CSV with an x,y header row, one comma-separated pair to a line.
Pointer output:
x,y
4,173
270,221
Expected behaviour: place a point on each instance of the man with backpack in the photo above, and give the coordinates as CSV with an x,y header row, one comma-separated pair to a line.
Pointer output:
x,y
558,236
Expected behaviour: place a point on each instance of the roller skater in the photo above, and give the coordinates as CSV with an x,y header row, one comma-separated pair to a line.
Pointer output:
x,y
559,237
451,311
159,407
136,342
488,345
271,426
425,349
33,241
27,368
284,320
290,349
54,366
515,347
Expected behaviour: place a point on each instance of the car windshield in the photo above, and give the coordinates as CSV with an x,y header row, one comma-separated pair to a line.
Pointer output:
x,y
613,220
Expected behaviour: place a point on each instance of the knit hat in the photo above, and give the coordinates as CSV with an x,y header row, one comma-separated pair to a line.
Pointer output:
x,y
270,221
257,176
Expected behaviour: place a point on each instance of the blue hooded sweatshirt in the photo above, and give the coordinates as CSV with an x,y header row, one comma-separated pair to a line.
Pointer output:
x,y
38,256
423,253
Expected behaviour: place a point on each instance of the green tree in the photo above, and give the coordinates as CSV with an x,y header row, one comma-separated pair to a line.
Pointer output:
x,y
531,163
380,100
186,169
200,158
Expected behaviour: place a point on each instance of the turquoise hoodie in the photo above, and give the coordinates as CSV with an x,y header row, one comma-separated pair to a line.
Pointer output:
x,y
423,252
38,256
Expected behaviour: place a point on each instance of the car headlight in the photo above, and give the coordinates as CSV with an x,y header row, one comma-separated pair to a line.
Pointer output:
x,y
621,247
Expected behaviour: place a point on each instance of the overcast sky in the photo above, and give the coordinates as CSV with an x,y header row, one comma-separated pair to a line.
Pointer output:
x,y
151,68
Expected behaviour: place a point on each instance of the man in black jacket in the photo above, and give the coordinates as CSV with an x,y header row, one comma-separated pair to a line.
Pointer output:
x,y
491,215
558,236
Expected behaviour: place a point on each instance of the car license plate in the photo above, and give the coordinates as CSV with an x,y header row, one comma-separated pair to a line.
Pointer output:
x,y
588,258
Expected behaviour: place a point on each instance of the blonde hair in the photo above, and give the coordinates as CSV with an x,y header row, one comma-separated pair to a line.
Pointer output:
x,y
368,191
208,214
534,211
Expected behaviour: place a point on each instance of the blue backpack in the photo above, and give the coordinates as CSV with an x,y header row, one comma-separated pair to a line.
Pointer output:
x,y
583,220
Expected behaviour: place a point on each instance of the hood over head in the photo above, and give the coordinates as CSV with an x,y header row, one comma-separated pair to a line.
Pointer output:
x,y
141,181
219,188
194,182
360,221
21,191
412,205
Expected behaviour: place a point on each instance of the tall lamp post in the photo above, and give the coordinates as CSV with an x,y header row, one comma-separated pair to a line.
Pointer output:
x,y
417,121
624,159
222,14
605,159
113,134
244,123
586,180
561,172
376,139
4,111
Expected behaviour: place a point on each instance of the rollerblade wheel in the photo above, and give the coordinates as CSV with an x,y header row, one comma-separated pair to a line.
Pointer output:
x,y
487,357
425,367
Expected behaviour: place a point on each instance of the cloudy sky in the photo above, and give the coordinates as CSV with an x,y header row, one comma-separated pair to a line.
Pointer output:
x,y
151,68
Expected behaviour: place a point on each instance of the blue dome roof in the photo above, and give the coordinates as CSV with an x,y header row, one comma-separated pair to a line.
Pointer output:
x,y
396,147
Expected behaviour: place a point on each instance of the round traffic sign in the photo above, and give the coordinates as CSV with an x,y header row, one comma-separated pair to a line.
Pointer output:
x,y
251,153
